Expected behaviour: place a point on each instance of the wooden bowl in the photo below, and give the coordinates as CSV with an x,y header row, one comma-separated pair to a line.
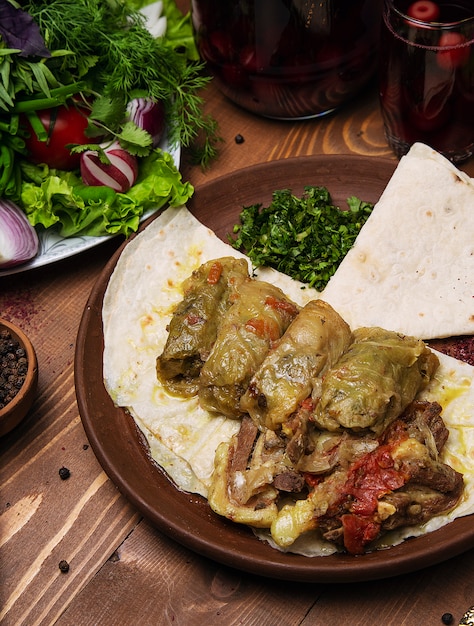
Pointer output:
x,y
12,414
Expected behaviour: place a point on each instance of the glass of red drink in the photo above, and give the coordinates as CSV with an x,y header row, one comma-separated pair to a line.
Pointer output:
x,y
427,75
289,59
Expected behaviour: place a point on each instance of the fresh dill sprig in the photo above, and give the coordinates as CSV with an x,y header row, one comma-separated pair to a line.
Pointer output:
x,y
106,47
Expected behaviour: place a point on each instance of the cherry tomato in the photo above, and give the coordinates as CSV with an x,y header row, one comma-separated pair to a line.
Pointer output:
x,y
424,10
64,125
456,53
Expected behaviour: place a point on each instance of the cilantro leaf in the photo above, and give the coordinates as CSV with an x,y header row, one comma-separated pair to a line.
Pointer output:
x,y
304,237
134,139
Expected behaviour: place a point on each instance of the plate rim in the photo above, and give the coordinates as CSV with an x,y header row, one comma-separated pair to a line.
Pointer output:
x,y
339,568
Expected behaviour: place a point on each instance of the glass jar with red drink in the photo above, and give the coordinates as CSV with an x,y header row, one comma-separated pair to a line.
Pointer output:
x,y
288,59
427,75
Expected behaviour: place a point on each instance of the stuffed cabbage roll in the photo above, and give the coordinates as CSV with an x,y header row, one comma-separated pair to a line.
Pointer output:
x,y
374,381
193,327
314,341
257,319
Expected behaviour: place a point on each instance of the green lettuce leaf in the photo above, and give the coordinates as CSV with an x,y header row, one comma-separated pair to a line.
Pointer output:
x,y
60,199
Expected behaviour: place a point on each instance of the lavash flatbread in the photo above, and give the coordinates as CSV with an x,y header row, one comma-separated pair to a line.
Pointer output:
x,y
140,297
411,268
142,293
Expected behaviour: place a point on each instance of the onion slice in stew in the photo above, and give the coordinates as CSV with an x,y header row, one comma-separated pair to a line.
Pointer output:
x,y
18,239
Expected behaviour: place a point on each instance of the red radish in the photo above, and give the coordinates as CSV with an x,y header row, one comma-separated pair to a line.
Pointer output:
x,y
119,174
424,10
456,53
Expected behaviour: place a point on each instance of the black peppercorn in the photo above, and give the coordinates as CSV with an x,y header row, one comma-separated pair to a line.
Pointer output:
x,y
64,566
64,473
447,618
13,367
239,138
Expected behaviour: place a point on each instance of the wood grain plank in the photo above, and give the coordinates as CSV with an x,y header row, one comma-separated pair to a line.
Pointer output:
x,y
79,520
356,128
164,583
415,599
154,581
352,130
43,518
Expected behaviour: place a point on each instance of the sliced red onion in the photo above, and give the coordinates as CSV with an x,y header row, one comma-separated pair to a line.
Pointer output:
x,y
149,115
18,239
120,174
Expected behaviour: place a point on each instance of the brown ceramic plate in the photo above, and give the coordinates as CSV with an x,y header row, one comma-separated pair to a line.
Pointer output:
x,y
123,454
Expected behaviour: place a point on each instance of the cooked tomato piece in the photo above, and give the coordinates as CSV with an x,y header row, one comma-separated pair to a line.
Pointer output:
x,y
215,273
281,305
358,532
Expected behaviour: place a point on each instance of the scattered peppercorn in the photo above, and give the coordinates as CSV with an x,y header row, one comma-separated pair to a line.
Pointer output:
x,y
447,618
64,566
64,473
239,138
13,367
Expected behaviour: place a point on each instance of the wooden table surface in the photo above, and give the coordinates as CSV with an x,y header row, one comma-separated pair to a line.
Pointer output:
x,y
122,570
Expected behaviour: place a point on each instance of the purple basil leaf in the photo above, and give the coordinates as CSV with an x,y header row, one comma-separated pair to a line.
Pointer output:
x,y
19,31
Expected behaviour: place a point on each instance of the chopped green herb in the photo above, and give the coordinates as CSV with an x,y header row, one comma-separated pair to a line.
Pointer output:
x,y
306,238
